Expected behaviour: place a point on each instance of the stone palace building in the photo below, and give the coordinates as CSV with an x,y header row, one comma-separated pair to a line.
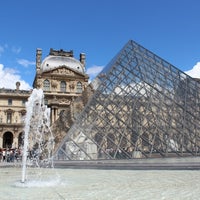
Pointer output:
x,y
62,78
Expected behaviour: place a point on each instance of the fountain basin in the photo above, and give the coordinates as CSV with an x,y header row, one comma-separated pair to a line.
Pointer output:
x,y
91,184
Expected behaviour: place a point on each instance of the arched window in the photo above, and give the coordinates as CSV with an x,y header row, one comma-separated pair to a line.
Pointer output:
x,y
63,86
46,85
79,88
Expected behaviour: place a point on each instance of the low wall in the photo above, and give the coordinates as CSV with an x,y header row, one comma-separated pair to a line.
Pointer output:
x,y
189,163
186,163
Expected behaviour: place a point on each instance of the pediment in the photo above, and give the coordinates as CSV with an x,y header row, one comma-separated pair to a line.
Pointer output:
x,y
63,70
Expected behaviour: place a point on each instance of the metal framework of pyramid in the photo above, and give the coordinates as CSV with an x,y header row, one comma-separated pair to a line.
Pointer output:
x,y
143,107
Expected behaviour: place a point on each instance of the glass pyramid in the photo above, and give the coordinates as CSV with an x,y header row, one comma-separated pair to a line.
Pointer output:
x,y
142,107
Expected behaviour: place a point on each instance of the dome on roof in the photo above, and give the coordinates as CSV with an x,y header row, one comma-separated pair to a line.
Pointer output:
x,y
52,62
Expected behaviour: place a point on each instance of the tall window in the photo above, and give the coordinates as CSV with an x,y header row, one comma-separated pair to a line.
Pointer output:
x,y
23,102
46,85
63,86
9,117
9,102
79,88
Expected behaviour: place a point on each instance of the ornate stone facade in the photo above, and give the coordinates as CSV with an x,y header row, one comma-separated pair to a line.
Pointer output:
x,y
62,78
12,112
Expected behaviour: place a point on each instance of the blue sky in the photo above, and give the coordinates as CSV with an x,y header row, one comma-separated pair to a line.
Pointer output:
x,y
99,28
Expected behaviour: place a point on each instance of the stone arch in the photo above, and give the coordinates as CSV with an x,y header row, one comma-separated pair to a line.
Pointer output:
x,y
21,139
7,139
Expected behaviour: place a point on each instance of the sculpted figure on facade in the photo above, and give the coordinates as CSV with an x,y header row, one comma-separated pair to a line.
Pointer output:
x,y
64,101
39,83
72,85
54,84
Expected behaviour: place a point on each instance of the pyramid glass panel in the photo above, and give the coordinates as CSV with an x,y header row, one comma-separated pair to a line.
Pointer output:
x,y
143,107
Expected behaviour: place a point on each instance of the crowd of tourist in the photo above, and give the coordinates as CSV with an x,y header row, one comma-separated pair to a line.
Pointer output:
x,y
10,155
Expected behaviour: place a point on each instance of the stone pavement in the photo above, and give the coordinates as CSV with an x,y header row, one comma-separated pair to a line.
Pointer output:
x,y
10,164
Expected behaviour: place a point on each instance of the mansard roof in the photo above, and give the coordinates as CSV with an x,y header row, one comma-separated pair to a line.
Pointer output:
x,y
57,58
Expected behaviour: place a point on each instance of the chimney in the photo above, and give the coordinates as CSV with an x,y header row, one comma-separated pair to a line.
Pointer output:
x,y
82,59
38,59
17,86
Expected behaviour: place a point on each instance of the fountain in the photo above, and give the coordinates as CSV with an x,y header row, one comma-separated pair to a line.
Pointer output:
x,y
38,139
84,183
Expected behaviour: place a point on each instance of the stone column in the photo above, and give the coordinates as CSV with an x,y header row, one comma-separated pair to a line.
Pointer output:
x,y
15,142
54,112
1,142
51,115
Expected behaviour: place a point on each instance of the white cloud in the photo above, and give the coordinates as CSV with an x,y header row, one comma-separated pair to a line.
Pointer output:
x,y
94,70
16,50
25,62
195,71
9,77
